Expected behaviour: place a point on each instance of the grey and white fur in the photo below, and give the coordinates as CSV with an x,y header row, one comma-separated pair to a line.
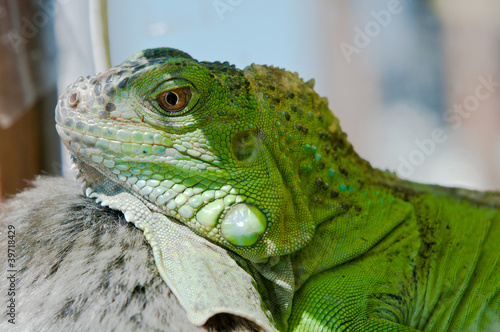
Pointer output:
x,y
82,267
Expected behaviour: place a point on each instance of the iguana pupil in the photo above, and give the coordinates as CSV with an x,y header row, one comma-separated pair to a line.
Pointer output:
x,y
172,98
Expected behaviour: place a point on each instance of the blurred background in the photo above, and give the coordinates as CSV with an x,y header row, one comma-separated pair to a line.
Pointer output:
x,y
415,84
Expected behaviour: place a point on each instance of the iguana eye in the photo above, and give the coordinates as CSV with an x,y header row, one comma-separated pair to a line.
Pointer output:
x,y
175,99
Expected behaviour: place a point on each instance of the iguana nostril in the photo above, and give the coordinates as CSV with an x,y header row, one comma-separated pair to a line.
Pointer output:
x,y
74,99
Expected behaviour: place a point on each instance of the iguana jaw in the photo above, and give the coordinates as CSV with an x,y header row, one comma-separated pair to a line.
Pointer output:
x,y
184,254
176,257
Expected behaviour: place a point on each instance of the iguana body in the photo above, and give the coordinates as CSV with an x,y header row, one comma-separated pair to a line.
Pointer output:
x,y
254,161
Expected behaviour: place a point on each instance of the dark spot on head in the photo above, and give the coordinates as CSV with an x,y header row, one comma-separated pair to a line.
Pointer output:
x,y
319,182
122,83
357,208
110,107
344,206
334,194
97,89
102,114
321,165
291,95
342,170
109,90
287,116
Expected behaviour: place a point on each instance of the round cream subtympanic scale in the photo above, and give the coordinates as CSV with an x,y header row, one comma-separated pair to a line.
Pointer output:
x,y
243,225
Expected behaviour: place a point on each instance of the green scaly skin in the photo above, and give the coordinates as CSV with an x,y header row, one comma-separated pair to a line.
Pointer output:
x,y
254,161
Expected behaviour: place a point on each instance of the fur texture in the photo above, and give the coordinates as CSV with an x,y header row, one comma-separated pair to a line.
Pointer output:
x,y
82,267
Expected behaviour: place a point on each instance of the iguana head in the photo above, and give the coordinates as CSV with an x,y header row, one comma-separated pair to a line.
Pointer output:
x,y
233,154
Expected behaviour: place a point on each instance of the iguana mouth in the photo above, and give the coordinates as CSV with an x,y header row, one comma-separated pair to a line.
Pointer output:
x,y
97,182
94,180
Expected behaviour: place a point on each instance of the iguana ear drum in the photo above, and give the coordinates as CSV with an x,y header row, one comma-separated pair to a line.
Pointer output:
x,y
243,225
245,146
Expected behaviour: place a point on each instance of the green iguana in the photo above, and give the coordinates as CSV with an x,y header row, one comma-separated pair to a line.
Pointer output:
x,y
286,225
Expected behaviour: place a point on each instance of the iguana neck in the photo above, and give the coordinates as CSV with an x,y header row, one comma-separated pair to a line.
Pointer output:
x,y
350,204
367,214
316,161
